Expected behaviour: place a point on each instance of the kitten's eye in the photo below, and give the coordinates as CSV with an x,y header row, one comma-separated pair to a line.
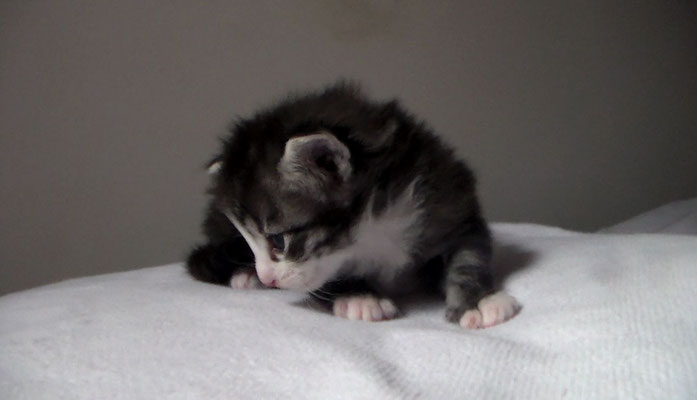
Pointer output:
x,y
277,241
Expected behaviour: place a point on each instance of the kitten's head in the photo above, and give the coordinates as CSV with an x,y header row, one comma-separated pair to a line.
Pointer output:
x,y
288,179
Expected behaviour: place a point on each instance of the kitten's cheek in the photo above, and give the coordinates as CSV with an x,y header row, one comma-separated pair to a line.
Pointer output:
x,y
301,282
313,284
292,284
316,280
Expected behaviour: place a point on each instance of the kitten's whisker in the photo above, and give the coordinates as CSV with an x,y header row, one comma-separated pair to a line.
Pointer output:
x,y
322,297
324,291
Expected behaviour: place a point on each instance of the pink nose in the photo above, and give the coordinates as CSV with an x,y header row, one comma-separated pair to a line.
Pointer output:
x,y
267,276
271,284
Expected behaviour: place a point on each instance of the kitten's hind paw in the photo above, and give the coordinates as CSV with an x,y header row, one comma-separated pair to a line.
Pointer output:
x,y
245,279
365,308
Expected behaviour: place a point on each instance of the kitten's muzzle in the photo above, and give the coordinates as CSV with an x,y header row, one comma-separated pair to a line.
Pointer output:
x,y
270,282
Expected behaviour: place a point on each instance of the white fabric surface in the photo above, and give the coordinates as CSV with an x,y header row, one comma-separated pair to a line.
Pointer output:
x,y
678,217
605,316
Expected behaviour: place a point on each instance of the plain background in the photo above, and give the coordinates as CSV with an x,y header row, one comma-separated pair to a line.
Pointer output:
x,y
573,113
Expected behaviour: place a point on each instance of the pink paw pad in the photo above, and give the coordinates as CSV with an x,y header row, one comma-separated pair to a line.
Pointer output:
x,y
364,308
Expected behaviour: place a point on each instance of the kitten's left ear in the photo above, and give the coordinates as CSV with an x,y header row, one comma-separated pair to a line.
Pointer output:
x,y
214,165
320,158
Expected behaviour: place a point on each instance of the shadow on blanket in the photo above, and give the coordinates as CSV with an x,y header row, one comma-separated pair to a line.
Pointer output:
x,y
509,259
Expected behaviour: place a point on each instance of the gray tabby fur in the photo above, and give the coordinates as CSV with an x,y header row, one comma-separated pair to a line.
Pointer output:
x,y
366,198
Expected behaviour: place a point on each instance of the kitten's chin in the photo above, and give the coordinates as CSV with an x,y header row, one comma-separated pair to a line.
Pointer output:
x,y
299,286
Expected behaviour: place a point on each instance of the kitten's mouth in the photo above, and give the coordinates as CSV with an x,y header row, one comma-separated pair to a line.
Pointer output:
x,y
289,278
296,285
266,279
272,284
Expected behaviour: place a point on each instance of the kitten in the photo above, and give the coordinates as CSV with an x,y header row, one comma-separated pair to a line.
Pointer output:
x,y
352,201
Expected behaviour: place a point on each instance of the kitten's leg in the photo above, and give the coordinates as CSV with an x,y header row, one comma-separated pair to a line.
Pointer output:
x,y
223,264
246,278
466,282
226,259
469,293
354,299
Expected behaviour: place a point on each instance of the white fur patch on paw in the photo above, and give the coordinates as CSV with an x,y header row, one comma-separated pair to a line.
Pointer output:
x,y
364,308
471,319
245,280
497,308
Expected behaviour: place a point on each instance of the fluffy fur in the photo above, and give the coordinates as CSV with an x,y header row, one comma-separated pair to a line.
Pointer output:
x,y
350,200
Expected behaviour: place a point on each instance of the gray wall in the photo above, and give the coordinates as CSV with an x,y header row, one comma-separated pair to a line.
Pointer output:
x,y
574,113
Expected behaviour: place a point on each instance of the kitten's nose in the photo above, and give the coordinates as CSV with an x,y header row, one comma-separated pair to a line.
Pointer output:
x,y
267,275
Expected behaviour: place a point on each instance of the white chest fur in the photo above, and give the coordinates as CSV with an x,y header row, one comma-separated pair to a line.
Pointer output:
x,y
382,243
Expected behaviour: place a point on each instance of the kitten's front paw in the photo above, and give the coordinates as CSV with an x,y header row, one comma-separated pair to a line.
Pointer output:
x,y
471,319
497,308
491,310
365,308
245,279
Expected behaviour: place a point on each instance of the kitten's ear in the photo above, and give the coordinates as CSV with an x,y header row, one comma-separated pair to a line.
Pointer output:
x,y
317,158
381,133
214,165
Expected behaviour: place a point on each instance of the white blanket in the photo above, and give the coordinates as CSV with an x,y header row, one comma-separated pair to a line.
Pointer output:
x,y
605,316
678,217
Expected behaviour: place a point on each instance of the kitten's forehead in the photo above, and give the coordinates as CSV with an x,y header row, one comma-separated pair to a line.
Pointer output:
x,y
273,209
291,210
254,183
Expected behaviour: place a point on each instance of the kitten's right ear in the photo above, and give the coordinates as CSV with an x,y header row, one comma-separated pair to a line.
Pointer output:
x,y
316,159
214,165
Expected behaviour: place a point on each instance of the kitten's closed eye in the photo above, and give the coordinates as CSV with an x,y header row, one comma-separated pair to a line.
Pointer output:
x,y
277,241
